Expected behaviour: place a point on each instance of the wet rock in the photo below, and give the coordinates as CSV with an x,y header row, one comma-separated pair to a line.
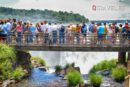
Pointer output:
x,y
110,82
24,60
6,83
106,72
42,68
56,83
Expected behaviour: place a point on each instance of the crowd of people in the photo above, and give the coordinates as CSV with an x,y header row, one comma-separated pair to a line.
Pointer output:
x,y
12,30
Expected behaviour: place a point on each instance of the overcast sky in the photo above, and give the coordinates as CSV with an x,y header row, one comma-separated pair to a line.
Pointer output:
x,y
92,9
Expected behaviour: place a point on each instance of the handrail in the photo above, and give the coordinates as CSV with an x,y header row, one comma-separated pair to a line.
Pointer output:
x,y
69,39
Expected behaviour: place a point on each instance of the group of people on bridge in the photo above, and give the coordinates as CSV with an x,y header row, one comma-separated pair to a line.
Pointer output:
x,y
18,32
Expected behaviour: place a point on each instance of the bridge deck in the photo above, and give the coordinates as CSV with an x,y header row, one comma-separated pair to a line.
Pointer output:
x,y
72,48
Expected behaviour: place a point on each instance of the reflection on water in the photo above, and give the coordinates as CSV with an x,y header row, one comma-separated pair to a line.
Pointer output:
x,y
38,78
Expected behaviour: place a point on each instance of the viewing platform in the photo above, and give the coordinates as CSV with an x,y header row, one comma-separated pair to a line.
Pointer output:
x,y
40,42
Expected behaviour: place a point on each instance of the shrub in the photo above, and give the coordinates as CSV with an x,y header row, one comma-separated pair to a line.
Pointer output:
x,y
109,65
39,60
6,70
73,64
70,65
74,78
67,66
58,68
18,73
119,73
95,80
7,53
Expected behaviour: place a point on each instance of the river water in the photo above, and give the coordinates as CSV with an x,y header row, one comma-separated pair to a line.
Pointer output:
x,y
38,78
84,60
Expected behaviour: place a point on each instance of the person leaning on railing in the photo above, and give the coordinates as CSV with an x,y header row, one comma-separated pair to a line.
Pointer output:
x,y
3,33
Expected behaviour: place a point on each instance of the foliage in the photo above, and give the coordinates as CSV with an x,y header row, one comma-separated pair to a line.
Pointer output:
x,y
39,14
119,73
58,68
7,53
7,59
6,70
39,60
109,65
18,73
69,65
95,80
74,78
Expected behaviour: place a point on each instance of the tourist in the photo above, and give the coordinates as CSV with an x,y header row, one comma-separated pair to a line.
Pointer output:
x,y
84,32
8,27
33,32
78,30
105,32
91,27
27,33
128,32
100,32
3,32
109,34
45,28
19,30
54,33
38,28
62,34
69,34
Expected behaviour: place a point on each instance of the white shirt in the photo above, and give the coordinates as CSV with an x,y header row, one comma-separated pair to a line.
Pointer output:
x,y
44,27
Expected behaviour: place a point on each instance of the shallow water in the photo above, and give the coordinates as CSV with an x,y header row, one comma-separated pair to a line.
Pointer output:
x,y
38,78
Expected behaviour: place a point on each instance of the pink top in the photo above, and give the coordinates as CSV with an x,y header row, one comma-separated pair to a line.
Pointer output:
x,y
19,28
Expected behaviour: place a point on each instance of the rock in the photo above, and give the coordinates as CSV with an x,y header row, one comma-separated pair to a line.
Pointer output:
x,y
99,72
6,83
106,72
109,82
24,60
56,83
42,68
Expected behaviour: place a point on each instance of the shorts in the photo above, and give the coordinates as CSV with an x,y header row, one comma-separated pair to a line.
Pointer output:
x,y
100,36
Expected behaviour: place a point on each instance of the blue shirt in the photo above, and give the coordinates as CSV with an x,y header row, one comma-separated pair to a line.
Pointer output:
x,y
3,28
8,27
33,29
100,30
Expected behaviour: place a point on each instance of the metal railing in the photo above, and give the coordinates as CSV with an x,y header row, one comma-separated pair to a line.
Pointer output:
x,y
73,39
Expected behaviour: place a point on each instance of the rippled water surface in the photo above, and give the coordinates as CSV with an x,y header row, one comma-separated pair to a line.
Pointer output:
x,y
38,78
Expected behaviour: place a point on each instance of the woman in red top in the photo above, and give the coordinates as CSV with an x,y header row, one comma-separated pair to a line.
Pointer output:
x,y
19,29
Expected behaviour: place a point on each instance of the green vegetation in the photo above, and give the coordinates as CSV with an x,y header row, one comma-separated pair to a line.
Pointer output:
x,y
18,73
119,73
95,80
49,15
58,69
7,60
39,60
69,65
103,65
74,78
7,53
